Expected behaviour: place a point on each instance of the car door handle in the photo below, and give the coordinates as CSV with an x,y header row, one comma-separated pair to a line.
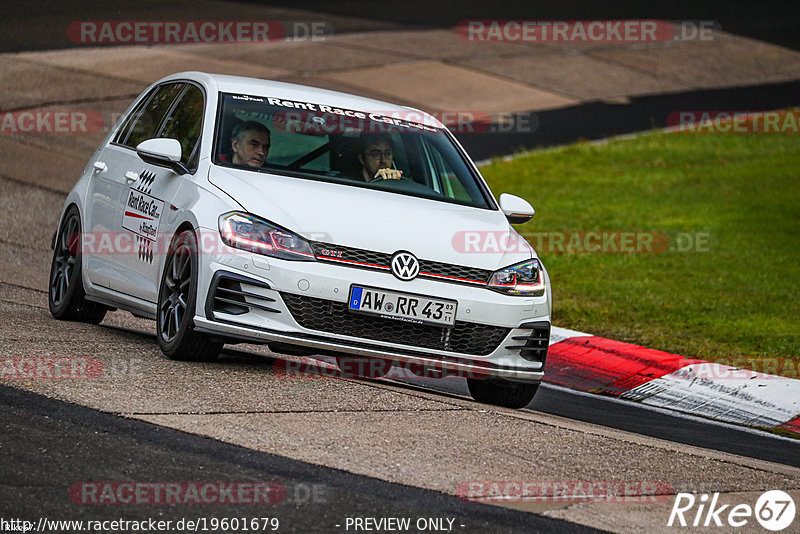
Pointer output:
x,y
100,166
131,176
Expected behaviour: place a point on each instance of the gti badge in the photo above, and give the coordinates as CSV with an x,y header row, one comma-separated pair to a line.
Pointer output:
x,y
405,266
331,253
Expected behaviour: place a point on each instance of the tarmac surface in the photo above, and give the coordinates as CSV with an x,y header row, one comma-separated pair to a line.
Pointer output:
x,y
380,448
413,437
313,499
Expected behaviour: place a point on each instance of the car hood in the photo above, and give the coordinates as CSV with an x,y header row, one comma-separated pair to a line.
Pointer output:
x,y
377,220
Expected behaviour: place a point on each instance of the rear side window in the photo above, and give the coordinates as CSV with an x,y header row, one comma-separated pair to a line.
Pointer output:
x,y
145,121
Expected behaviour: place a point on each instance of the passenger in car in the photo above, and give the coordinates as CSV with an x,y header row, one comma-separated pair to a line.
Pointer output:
x,y
250,143
377,158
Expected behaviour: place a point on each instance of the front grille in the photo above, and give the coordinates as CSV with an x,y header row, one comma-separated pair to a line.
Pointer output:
x,y
368,259
334,317
458,272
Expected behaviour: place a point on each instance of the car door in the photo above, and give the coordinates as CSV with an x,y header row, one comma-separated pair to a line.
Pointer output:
x,y
109,183
116,170
147,216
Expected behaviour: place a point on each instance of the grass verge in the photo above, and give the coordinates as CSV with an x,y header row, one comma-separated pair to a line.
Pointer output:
x,y
722,212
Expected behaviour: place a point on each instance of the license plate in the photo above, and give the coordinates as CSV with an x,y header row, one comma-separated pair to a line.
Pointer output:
x,y
402,306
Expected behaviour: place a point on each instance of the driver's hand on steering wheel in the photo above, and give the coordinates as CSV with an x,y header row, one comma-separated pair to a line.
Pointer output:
x,y
388,174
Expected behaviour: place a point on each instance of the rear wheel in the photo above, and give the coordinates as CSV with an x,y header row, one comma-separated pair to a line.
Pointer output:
x,y
177,298
65,296
502,392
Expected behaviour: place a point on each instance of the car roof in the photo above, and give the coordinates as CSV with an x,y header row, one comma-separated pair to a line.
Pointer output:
x,y
300,93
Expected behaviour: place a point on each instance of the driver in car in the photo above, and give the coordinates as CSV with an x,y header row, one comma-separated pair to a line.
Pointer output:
x,y
250,144
377,159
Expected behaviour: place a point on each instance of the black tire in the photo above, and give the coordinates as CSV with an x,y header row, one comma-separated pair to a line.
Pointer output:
x,y
501,392
362,367
177,297
65,295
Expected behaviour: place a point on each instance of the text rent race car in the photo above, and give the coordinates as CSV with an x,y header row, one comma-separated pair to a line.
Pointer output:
x,y
239,210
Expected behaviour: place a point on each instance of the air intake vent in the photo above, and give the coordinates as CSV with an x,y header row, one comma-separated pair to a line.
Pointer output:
x,y
536,342
236,295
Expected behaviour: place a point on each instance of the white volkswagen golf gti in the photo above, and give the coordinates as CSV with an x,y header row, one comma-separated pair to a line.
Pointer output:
x,y
237,210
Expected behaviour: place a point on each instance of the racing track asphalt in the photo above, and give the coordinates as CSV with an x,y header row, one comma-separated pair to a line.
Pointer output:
x,y
647,421
407,436
76,444
771,22
599,120
28,29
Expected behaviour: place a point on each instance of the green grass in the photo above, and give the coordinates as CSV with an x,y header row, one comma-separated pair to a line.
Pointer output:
x,y
739,297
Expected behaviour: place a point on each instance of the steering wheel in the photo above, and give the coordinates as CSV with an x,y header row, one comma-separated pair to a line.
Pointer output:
x,y
404,185
382,179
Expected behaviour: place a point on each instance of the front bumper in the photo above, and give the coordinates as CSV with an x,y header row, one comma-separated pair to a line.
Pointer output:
x,y
264,300
460,366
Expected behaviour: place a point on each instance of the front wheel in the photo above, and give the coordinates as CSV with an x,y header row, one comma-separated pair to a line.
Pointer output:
x,y
502,392
65,296
177,298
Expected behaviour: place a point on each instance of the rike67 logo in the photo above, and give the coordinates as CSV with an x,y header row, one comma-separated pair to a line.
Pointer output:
x,y
774,510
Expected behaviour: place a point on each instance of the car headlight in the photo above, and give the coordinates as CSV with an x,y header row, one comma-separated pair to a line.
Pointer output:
x,y
248,232
523,279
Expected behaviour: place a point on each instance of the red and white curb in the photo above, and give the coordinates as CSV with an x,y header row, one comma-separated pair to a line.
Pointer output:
x,y
594,364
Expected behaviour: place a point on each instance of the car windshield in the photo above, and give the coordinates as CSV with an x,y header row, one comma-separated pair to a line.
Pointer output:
x,y
390,151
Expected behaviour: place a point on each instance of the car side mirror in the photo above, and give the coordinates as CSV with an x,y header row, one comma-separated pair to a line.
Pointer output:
x,y
517,210
163,153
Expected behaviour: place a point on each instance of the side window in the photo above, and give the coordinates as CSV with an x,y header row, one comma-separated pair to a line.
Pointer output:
x,y
146,120
184,123
122,134
440,168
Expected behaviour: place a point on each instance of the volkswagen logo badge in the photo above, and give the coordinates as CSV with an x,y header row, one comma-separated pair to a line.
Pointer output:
x,y
405,265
